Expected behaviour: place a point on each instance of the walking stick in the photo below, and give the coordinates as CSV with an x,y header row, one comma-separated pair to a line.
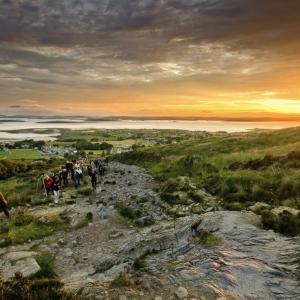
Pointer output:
x,y
46,194
37,183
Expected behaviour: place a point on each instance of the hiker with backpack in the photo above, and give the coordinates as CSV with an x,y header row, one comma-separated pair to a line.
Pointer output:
x,y
77,174
3,206
71,170
69,166
64,176
55,187
101,168
92,171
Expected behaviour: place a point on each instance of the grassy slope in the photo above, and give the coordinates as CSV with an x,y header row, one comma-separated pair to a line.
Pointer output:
x,y
21,187
27,154
214,154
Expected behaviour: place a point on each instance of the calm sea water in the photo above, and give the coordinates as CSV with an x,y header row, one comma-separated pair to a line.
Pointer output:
x,y
210,126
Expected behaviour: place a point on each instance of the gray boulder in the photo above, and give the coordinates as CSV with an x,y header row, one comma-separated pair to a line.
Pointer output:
x,y
182,293
18,262
145,221
259,206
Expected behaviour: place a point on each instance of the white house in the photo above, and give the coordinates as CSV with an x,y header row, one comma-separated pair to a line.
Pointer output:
x,y
119,150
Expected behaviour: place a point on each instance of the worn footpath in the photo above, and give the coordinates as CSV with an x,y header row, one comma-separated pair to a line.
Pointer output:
x,y
248,262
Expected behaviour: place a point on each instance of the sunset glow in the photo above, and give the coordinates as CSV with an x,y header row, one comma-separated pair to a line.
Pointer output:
x,y
206,59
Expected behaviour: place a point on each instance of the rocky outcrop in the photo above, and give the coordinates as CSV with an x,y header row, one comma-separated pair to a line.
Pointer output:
x,y
252,263
259,207
151,241
282,209
18,262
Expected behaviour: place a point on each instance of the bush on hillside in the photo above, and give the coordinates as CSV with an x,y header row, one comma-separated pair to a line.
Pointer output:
x,y
86,191
19,288
285,223
85,145
122,280
46,264
85,220
19,199
21,218
23,227
235,206
9,168
177,190
128,212
189,162
139,157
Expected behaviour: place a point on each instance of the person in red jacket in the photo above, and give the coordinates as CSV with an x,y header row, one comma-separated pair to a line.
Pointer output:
x,y
48,184
3,206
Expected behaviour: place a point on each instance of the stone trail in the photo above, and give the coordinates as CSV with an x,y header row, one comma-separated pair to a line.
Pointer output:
x,y
251,263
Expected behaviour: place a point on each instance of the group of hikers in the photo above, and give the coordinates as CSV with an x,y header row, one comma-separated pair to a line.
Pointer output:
x,y
72,170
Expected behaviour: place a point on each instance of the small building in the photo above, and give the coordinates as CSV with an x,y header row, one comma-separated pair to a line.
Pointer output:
x,y
120,150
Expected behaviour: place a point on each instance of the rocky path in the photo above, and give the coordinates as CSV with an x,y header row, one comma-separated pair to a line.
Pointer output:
x,y
250,263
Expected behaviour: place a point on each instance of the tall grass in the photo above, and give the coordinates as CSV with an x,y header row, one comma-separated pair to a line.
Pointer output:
x,y
24,227
208,160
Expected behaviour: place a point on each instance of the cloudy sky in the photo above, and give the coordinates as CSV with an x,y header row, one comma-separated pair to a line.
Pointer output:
x,y
206,58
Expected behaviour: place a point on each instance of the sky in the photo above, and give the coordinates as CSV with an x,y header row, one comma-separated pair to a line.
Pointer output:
x,y
186,58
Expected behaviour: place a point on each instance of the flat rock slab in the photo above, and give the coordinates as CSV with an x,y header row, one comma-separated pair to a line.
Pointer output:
x,y
18,262
251,263
13,256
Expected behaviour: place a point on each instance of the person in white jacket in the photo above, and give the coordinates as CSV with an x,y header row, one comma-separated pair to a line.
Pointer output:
x,y
77,174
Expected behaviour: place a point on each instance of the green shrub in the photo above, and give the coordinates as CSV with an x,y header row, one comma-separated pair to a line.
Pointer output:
x,y
4,228
177,190
213,184
239,196
19,288
21,218
285,222
207,239
289,187
5,241
24,227
45,262
289,224
260,194
139,157
235,206
121,280
169,186
85,191
140,262
9,168
88,218
19,199
128,212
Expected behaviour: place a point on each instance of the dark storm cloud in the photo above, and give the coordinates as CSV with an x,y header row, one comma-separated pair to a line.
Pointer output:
x,y
96,23
91,41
